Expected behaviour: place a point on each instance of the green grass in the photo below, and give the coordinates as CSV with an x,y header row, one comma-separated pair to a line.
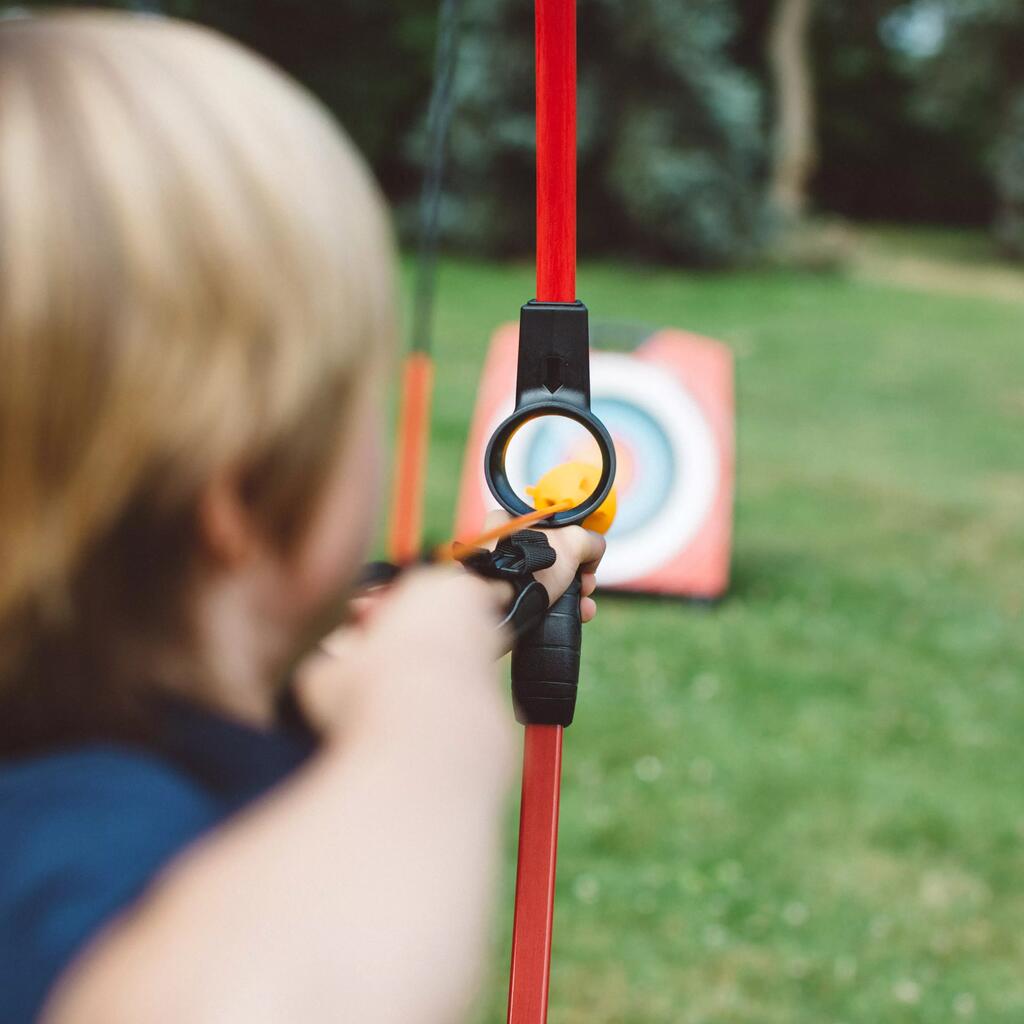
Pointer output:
x,y
805,805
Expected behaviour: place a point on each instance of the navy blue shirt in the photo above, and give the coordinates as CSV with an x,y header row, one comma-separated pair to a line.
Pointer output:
x,y
84,830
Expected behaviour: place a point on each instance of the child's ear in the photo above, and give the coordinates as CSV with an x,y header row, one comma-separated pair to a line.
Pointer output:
x,y
227,528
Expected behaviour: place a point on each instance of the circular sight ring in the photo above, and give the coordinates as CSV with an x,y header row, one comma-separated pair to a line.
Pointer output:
x,y
497,448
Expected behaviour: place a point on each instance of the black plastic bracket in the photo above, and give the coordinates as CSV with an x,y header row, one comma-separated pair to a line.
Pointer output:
x,y
553,379
554,354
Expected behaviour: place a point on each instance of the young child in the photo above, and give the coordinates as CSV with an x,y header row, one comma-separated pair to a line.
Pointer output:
x,y
196,321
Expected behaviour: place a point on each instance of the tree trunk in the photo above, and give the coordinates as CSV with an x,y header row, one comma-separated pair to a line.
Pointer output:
x,y
795,154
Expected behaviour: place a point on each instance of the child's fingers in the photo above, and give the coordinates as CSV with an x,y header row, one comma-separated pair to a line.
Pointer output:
x,y
588,583
588,608
590,548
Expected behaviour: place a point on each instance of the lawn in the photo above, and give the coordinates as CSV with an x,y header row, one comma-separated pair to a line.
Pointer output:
x,y
805,804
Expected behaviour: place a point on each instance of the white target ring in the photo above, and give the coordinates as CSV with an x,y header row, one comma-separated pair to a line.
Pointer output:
x,y
695,461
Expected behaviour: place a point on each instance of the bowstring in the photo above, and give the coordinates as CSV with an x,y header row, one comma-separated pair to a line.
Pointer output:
x,y
439,116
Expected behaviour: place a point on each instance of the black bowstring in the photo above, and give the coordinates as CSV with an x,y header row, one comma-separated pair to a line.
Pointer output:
x,y
439,117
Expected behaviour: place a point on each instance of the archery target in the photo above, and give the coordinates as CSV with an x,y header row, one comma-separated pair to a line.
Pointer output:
x,y
665,451
668,409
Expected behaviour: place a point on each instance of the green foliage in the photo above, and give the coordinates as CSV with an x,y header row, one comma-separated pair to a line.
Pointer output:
x,y
670,140
921,111
974,87
892,148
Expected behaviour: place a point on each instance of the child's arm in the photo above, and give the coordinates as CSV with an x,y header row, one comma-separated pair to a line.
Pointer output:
x,y
359,890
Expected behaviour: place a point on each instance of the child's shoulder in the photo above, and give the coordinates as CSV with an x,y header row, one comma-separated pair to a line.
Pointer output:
x,y
96,802
82,832
92,771
94,810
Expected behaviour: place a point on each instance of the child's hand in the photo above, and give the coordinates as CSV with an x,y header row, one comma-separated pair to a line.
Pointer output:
x,y
576,549
417,669
411,622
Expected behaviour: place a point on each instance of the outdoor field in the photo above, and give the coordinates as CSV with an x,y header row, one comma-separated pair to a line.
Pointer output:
x,y
804,805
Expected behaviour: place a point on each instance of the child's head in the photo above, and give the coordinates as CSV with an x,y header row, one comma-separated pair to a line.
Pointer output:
x,y
195,292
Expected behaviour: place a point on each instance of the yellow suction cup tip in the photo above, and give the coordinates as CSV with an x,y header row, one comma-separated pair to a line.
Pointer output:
x,y
575,482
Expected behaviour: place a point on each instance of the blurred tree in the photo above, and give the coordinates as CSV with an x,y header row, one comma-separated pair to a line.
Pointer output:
x,y
794,146
671,151
880,158
920,107
1009,157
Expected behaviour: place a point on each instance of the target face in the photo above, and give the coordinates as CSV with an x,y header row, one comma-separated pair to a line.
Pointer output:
x,y
668,408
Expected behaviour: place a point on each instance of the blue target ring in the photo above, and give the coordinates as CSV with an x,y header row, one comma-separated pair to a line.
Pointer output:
x,y
653,466
641,443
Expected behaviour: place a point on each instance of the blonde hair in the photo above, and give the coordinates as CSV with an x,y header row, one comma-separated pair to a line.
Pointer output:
x,y
194,268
